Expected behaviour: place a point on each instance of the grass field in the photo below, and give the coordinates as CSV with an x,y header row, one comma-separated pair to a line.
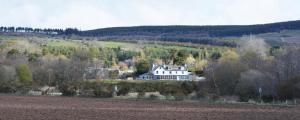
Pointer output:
x,y
72,108
62,43
153,47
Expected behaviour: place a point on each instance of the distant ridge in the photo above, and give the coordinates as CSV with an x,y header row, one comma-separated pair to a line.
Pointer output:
x,y
194,34
210,30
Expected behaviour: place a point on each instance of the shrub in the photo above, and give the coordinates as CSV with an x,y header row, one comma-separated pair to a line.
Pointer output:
x,y
141,94
169,89
284,92
123,89
144,87
25,78
68,89
289,89
203,89
13,52
245,91
142,66
8,86
188,87
153,97
33,57
24,74
113,74
267,98
103,91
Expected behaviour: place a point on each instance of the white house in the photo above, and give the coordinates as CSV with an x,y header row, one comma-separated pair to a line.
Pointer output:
x,y
167,72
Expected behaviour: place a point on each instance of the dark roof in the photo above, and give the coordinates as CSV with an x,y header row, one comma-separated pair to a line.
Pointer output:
x,y
169,67
148,73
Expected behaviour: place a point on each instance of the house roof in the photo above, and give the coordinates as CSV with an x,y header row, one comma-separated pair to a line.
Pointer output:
x,y
169,67
146,74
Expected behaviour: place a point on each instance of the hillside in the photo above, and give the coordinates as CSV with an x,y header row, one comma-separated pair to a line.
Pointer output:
x,y
220,35
194,34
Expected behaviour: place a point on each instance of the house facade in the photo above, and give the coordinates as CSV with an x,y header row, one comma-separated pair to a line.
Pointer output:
x,y
167,72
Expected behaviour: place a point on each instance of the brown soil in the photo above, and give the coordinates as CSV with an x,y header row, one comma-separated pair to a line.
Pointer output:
x,y
72,108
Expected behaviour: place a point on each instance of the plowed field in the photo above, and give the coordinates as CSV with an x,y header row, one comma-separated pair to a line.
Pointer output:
x,y
73,108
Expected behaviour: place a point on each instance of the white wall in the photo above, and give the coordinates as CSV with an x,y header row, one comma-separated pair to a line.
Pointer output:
x,y
162,71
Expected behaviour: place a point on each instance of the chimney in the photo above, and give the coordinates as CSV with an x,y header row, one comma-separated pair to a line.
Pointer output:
x,y
185,66
153,65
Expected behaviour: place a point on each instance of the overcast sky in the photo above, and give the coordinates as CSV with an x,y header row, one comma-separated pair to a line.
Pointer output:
x,y
91,14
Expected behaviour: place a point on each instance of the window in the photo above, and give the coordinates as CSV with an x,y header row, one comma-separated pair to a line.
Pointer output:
x,y
170,72
182,72
163,72
156,72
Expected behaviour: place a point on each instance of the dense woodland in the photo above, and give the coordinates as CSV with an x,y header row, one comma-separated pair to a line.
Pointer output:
x,y
256,71
211,31
248,67
29,62
194,34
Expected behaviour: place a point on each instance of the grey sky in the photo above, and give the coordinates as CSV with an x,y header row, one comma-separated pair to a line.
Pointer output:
x,y
90,14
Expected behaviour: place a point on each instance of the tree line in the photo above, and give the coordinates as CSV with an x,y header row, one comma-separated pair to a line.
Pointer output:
x,y
50,31
255,71
194,31
35,62
193,34
252,71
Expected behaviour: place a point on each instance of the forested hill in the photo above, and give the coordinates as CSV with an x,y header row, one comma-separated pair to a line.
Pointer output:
x,y
194,34
212,35
209,31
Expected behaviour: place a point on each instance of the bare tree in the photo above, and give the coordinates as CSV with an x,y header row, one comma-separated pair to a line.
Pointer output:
x,y
252,80
288,63
7,73
253,51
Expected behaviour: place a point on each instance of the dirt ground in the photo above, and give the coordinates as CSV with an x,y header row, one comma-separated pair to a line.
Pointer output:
x,y
73,108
